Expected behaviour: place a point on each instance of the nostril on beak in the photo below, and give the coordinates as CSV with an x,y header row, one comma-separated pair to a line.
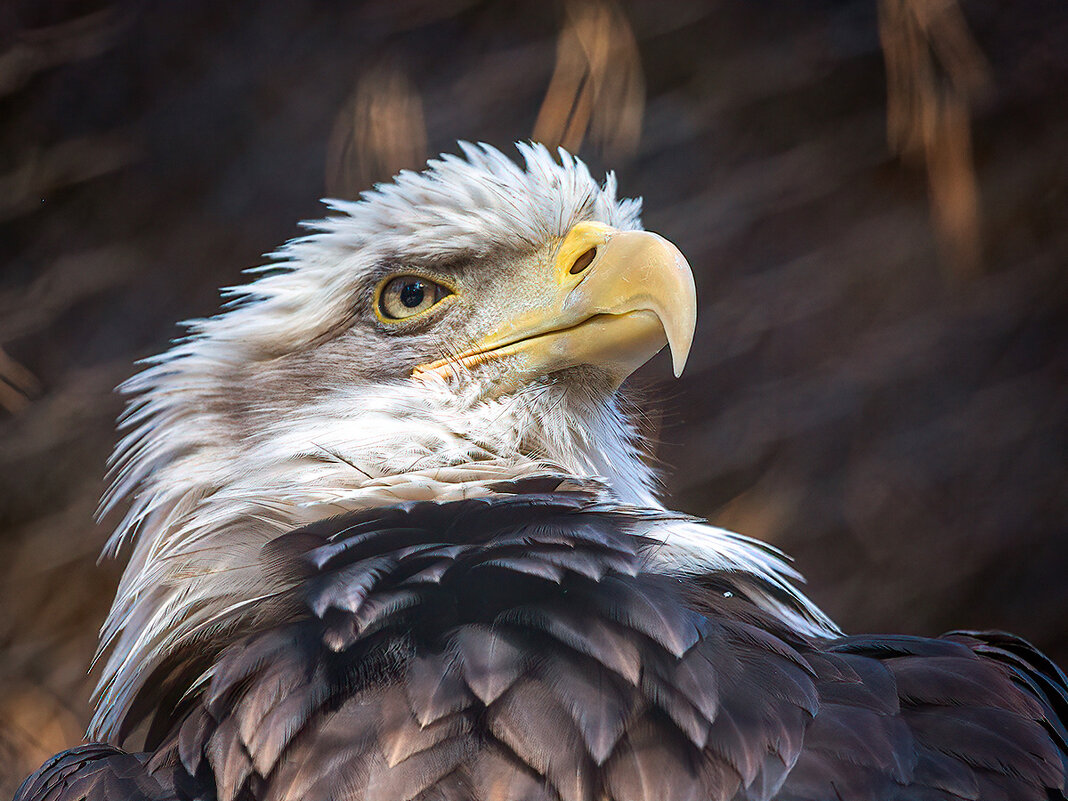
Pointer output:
x,y
583,261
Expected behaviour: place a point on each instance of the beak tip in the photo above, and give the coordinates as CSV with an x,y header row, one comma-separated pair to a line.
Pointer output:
x,y
680,332
678,361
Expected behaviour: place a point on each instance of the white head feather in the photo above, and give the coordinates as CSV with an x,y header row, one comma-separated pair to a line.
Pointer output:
x,y
250,426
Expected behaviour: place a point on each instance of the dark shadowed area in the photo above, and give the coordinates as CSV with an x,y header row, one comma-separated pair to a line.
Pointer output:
x,y
873,196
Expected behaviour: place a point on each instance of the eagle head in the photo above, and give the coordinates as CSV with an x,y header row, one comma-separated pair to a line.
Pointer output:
x,y
457,329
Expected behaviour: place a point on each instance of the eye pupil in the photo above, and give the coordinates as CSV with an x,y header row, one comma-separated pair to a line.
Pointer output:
x,y
413,294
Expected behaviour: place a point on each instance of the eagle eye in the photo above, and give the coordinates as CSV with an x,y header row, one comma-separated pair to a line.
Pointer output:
x,y
405,296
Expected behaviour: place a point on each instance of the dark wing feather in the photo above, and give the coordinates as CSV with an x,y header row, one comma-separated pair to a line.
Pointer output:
x,y
958,717
1031,670
95,772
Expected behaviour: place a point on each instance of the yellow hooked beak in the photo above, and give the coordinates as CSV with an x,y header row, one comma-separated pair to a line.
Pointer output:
x,y
615,299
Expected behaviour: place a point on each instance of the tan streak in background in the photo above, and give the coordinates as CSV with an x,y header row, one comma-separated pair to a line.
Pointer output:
x,y
18,386
380,131
934,71
597,84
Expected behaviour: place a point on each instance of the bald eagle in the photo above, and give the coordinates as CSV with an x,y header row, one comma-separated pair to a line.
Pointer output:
x,y
394,537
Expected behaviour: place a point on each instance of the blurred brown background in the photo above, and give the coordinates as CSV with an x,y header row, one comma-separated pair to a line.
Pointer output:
x,y
874,196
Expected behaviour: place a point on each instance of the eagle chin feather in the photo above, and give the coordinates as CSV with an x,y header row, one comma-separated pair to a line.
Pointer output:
x,y
349,581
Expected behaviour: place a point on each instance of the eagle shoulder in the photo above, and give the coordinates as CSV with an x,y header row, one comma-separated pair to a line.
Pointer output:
x,y
964,716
